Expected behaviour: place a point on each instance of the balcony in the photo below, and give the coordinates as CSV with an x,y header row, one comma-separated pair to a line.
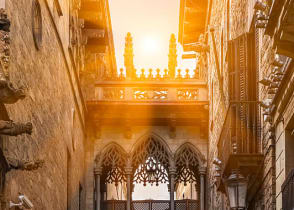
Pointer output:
x,y
159,98
239,143
288,191
152,89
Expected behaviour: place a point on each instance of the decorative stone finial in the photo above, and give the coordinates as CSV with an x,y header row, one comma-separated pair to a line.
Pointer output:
x,y
10,128
172,56
129,55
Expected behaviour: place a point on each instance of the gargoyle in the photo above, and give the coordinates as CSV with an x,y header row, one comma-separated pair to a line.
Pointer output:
x,y
10,94
10,128
24,164
4,21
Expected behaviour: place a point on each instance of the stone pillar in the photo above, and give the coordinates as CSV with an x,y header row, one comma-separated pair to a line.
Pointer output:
x,y
129,171
172,188
172,173
202,172
98,172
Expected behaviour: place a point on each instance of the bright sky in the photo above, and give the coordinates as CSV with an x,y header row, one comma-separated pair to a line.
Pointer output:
x,y
151,22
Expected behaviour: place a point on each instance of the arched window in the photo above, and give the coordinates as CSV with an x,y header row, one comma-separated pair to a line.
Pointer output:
x,y
150,162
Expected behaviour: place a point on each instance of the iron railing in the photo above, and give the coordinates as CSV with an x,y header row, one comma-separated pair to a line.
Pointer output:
x,y
151,205
240,132
288,192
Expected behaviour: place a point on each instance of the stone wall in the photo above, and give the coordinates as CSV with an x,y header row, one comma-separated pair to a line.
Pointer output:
x,y
53,104
230,19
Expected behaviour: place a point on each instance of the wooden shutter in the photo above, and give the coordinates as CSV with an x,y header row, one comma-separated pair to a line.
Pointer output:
x,y
243,87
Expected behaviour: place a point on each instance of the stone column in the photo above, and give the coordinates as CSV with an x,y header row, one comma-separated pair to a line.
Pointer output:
x,y
172,188
98,172
202,172
172,173
129,171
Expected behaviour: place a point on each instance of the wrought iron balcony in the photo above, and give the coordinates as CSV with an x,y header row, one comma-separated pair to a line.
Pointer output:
x,y
239,146
288,191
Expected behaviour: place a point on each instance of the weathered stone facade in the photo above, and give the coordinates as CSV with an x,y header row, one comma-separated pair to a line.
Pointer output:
x,y
267,56
49,58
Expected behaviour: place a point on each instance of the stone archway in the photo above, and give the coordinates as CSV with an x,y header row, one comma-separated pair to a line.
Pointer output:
x,y
110,169
190,168
150,161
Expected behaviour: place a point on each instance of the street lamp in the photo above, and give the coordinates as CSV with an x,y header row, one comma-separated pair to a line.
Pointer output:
x,y
236,187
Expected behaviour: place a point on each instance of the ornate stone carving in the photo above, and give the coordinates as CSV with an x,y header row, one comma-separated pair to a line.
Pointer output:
x,y
25,165
150,94
113,162
10,94
151,162
187,163
10,128
187,94
113,93
4,21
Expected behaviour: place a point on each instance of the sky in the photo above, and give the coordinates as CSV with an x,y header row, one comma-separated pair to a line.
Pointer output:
x,y
151,23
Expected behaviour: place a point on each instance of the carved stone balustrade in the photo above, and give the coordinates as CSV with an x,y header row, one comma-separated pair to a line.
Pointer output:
x,y
153,91
128,101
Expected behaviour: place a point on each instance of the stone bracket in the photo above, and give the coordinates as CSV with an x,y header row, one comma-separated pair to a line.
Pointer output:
x,y
9,128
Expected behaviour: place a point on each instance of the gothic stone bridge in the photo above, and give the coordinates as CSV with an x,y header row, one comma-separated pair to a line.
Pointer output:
x,y
150,128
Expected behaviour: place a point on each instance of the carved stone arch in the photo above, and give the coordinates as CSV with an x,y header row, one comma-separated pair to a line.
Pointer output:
x,y
112,162
151,160
188,161
155,136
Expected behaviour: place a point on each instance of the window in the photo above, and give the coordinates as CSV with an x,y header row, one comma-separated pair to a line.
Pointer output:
x,y
37,24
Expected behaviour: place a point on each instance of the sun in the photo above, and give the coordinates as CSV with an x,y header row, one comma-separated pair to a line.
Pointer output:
x,y
150,44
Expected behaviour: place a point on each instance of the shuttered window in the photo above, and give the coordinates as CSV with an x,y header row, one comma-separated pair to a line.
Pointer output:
x,y
243,88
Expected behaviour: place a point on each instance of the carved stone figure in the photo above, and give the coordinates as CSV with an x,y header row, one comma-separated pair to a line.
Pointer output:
x,y
10,128
10,94
25,165
4,21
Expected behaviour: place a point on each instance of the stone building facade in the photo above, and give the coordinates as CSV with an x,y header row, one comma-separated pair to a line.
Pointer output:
x,y
246,47
50,50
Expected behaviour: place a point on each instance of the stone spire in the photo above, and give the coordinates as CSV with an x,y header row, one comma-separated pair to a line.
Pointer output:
x,y
129,55
172,56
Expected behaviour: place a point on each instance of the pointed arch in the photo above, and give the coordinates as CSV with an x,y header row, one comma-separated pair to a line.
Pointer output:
x,y
188,160
154,136
151,160
112,160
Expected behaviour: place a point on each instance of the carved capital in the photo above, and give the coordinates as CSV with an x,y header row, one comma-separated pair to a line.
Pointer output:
x,y
129,168
10,128
202,171
98,171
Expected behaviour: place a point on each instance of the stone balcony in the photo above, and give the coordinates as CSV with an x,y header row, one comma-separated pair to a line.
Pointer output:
x,y
144,99
153,88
